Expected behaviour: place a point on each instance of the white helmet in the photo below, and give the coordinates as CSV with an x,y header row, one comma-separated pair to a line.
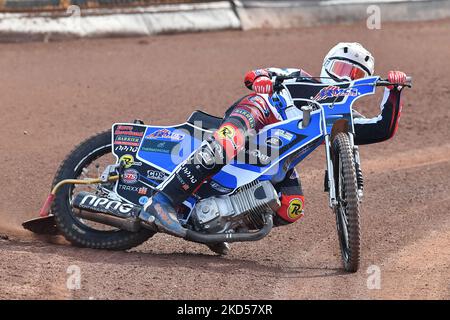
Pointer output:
x,y
347,61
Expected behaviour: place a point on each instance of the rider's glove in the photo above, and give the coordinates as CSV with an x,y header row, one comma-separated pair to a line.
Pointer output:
x,y
252,76
396,77
263,85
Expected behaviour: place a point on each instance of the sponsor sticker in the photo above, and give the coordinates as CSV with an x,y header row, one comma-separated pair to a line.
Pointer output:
x,y
130,176
142,190
128,159
226,132
274,142
334,92
123,148
165,134
127,131
230,136
205,158
105,205
156,175
128,188
143,200
158,146
283,134
127,140
246,115
189,175
295,209
124,128
219,187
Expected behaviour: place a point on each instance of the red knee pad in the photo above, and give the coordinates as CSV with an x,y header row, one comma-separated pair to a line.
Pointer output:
x,y
231,138
291,207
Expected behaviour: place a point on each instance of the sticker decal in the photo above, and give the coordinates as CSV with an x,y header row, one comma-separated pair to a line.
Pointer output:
x,y
295,209
127,131
219,187
274,142
142,190
244,115
334,92
143,200
156,175
126,140
227,132
283,134
128,159
165,134
130,176
127,136
151,145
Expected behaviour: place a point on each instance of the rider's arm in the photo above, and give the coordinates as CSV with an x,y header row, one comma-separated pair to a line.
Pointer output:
x,y
384,126
260,78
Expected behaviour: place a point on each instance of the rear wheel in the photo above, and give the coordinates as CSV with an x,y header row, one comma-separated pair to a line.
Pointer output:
x,y
88,160
347,210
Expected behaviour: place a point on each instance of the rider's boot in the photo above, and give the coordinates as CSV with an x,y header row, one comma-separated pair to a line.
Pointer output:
x,y
183,182
159,211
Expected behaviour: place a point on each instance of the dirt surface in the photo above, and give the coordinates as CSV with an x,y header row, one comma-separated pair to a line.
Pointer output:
x,y
53,95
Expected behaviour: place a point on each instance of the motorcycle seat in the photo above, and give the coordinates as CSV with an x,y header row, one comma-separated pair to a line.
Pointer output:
x,y
204,120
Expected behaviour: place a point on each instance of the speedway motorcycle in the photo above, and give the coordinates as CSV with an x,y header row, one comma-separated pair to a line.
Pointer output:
x,y
105,181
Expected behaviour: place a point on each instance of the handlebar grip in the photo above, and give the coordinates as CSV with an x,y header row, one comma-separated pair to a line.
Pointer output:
x,y
408,81
385,82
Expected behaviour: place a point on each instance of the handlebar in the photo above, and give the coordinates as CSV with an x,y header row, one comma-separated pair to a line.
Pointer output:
x,y
385,82
278,81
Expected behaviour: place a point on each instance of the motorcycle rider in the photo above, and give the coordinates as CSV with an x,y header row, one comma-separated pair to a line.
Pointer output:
x,y
344,62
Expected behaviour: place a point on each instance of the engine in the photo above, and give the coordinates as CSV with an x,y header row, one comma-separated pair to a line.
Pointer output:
x,y
242,211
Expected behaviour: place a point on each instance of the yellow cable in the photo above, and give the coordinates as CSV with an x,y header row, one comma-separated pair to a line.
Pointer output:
x,y
75,181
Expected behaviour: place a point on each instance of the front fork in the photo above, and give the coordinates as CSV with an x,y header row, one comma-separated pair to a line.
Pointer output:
x,y
330,173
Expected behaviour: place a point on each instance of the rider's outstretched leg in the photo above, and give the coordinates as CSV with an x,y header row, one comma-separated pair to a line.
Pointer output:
x,y
183,182
188,178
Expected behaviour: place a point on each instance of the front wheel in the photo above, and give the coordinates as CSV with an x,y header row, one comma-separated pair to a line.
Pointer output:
x,y
347,210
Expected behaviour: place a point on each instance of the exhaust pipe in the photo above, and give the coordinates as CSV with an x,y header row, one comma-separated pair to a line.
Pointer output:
x,y
130,224
110,212
231,237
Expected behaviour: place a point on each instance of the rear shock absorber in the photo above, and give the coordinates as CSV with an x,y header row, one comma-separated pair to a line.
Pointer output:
x,y
359,175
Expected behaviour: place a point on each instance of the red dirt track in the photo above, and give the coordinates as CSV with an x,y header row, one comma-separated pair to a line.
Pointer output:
x,y
54,95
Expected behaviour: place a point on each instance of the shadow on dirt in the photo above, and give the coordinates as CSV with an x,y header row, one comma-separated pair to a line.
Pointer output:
x,y
56,248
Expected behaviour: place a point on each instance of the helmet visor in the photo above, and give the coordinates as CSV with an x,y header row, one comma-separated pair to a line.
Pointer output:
x,y
344,69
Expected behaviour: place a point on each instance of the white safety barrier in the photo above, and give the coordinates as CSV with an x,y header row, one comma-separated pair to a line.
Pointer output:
x,y
287,14
123,22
